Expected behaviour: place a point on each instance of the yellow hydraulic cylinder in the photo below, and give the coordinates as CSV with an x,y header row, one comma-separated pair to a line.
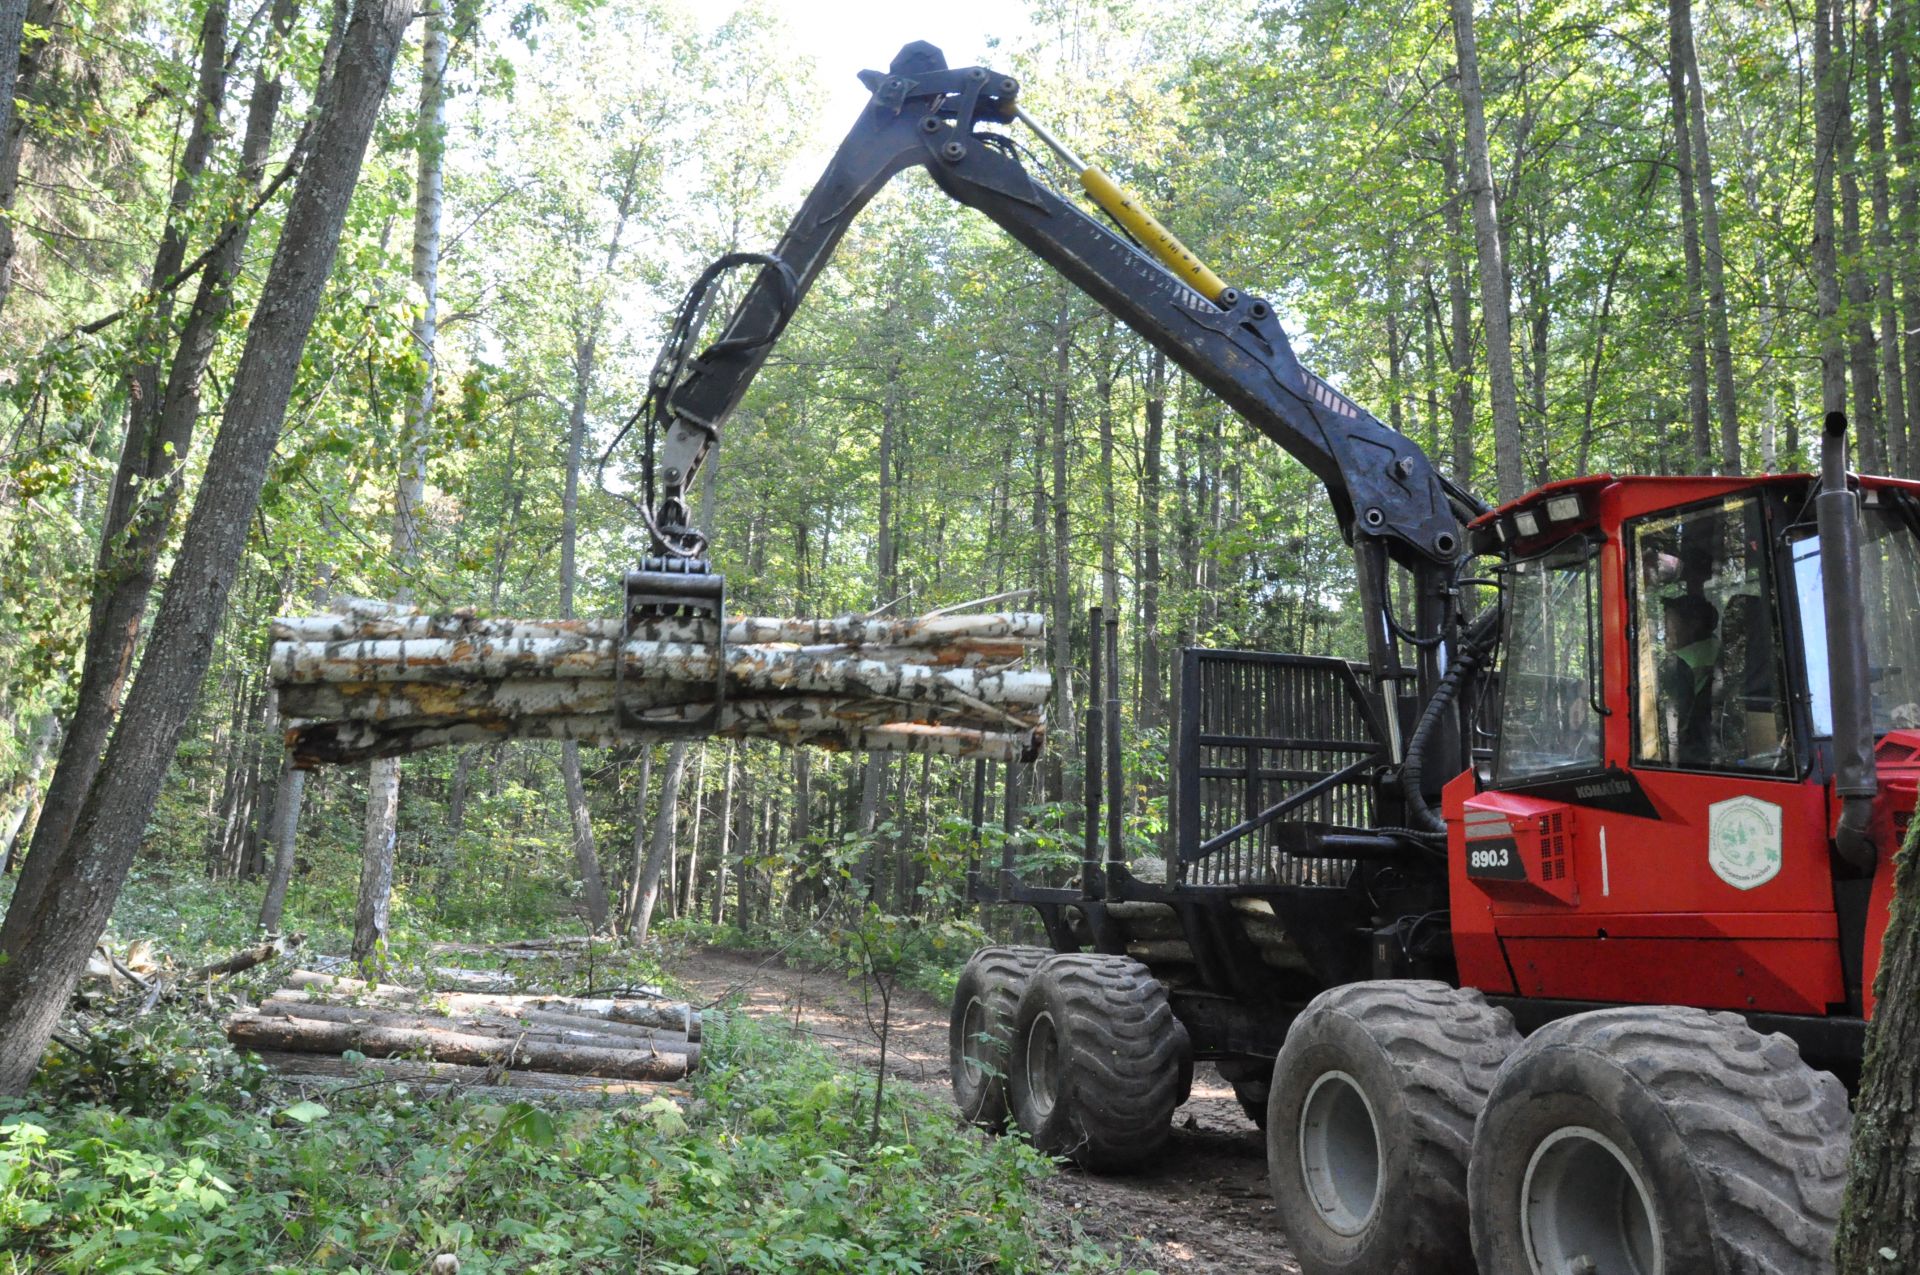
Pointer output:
x,y
1140,223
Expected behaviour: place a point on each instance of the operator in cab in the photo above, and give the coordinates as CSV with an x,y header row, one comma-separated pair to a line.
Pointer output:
x,y
1687,672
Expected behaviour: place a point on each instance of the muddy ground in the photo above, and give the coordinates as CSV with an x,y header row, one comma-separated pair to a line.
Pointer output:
x,y
1200,1209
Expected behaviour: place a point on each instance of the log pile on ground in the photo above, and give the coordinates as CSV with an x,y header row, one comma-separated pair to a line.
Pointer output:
x,y
374,680
622,1039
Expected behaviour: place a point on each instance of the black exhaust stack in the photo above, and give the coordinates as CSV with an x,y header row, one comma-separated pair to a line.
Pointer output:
x,y
1837,512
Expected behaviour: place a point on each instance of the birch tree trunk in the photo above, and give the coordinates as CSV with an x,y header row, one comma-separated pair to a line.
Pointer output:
x,y
383,776
72,913
664,819
684,904
1496,312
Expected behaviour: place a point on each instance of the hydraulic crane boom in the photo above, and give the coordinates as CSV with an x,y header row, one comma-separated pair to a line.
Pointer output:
x,y
1390,500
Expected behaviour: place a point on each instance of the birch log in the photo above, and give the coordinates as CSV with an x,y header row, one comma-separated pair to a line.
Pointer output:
x,y
674,1016
482,1025
380,681
309,1035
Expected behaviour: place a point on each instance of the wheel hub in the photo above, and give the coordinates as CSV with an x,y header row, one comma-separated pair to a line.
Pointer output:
x,y
1340,1152
977,1053
1043,1064
1584,1209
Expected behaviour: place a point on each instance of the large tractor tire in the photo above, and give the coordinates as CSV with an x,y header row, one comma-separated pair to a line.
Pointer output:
x,y
1656,1140
980,1029
1099,1062
1252,1081
1370,1123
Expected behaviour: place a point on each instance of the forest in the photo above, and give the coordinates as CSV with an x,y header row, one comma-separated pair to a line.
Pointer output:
x,y
302,303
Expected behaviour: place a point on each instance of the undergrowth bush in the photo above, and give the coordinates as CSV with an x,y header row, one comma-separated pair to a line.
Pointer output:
x,y
772,1168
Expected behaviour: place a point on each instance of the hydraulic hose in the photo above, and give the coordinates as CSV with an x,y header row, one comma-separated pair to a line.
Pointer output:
x,y
1478,644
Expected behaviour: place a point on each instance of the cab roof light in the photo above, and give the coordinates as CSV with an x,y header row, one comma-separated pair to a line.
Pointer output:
x,y
1526,523
1564,508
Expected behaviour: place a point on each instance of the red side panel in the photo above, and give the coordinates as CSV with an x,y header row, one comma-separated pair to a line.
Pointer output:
x,y
1476,949
1898,761
1780,975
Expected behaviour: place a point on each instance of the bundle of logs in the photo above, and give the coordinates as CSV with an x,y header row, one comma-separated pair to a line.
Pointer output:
x,y
373,680
527,1041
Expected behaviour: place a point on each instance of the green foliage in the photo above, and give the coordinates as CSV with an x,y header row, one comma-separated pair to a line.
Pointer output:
x,y
770,1169
146,1064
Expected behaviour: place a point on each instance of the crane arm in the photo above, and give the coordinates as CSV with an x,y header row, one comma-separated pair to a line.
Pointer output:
x,y
1386,492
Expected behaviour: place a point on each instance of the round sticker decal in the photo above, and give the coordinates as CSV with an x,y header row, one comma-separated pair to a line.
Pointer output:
x,y
1743,841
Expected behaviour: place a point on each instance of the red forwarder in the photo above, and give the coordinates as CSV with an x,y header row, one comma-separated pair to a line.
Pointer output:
x,y
1542,939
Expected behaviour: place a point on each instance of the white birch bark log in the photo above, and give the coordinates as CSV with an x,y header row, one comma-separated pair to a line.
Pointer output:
x,y
379,681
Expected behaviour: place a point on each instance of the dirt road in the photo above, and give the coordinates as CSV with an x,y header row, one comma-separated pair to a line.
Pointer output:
x,y
1200,1209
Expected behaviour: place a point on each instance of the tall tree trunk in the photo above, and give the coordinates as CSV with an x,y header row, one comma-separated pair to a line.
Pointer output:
x,y
286,823
630,888
724,817
1903,31
1459,320
1893,383
1598,361
1109,521
684,905
24,70
1692,316
1062,573
1829,104
742,873
1496,313
13,20
665,818
1713,260
586,855
1864,367
383,777
1153,692
24,798
150,477
72,913
1539,353
1877,1235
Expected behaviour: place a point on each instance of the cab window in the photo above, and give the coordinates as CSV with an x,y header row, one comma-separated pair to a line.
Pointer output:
x,y
1550,678
1707,671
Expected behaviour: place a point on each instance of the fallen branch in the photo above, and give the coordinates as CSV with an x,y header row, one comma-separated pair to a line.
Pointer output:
x,y
245,959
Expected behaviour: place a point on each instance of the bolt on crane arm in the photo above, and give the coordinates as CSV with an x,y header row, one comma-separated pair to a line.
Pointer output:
x,y
1385,490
